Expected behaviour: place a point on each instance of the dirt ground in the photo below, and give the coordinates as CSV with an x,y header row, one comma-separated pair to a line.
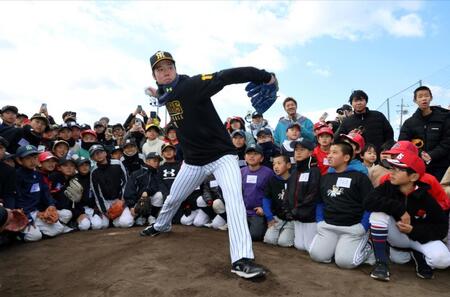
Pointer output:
x,y
186,262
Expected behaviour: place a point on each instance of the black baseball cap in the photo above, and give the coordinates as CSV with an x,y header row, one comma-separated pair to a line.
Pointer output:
x,y
255,148
82,160
238,132
153,155
256,114
10,108
41,116
71,115
160,56
167,145
73,124
65,160
309,145
96,148
343,108
64,126
98,124
265,131
129,141
118,126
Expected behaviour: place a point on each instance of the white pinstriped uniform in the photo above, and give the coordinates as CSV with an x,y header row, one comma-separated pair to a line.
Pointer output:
x,y
228,175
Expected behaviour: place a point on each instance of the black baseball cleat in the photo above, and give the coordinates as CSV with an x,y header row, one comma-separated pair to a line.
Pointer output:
x,y
422,269
150,231
247,268
380,272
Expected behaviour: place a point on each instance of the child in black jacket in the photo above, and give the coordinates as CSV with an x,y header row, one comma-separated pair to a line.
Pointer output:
x,y
302,195
406,216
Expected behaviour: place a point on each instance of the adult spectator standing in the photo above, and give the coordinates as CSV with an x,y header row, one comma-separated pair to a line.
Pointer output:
x,y
376,128
306,125
429,129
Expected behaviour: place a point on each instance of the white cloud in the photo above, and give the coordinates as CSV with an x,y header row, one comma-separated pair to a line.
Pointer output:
x,y
440,92
93,56
441,95
322,71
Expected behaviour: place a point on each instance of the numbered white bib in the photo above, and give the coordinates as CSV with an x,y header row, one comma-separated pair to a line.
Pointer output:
x,y
35,188
252,179
304,177
344,182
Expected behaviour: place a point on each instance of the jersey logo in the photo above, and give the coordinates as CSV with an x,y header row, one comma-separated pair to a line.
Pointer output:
x,y
207,76
335,191
169,173
175,110
160,55
281,195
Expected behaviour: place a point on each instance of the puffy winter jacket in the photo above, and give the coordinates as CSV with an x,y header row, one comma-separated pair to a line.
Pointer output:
x,y
377,129
434,131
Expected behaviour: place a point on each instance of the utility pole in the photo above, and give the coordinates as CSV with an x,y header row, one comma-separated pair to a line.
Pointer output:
x,y
388,109
402,111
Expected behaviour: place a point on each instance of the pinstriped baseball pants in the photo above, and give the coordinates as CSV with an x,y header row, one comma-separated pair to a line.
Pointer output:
x,y
228,175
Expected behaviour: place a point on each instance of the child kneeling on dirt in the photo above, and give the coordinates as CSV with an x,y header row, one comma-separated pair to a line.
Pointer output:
x,y
302,195
255,177
406,216
67,192
142,191
108,181
340,232
33,196
279,230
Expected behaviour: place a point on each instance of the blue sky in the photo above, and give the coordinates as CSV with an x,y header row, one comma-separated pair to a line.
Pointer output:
x,y
92,57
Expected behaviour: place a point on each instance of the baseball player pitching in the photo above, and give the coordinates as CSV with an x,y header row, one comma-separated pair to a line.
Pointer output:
x,y
207,146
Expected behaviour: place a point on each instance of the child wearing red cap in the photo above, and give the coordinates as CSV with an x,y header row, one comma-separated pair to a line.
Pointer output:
x,y
325,139
406,216
356,140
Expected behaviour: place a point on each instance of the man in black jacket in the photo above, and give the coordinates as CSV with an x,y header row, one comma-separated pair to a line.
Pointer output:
x,y
406,216
376,128
429,129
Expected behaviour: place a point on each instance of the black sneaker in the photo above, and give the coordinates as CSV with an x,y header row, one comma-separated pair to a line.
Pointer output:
x,y
380,271
150,231
247,268
422,269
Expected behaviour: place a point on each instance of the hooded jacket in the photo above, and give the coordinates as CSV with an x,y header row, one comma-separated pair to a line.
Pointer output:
x,y
434,131
428,219
377,130
306,128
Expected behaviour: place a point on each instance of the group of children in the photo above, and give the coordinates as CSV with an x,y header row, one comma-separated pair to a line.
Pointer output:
x,y
336,202
336,198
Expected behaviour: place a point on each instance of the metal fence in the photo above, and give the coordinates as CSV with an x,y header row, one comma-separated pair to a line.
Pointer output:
x,y
399,106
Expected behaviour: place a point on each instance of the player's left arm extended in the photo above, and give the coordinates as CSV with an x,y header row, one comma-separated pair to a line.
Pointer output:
x,y
210,84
